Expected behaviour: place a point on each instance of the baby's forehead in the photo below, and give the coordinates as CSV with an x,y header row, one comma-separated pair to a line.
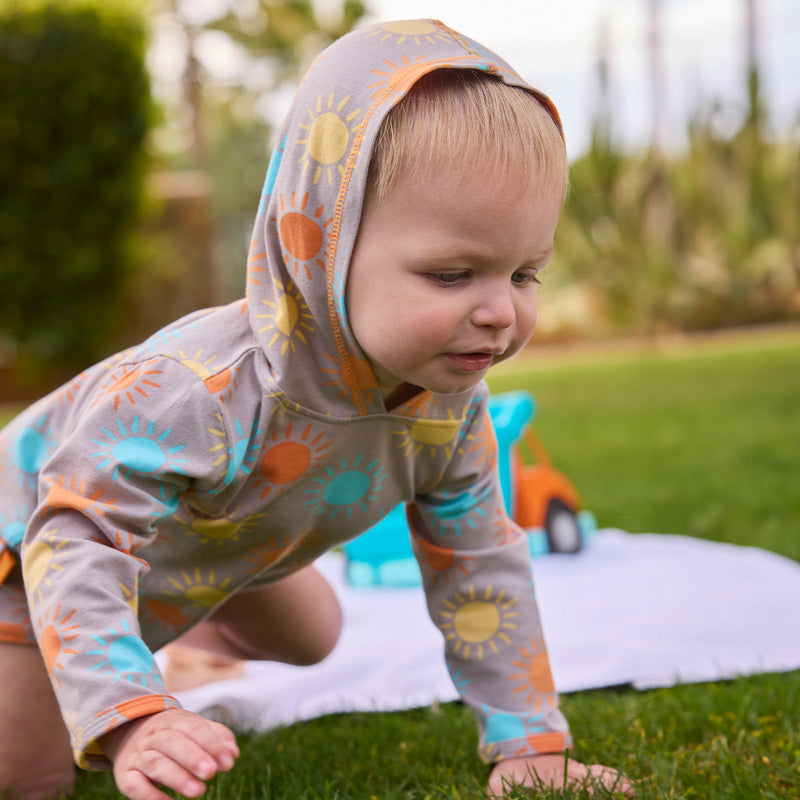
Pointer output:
x,y
496,181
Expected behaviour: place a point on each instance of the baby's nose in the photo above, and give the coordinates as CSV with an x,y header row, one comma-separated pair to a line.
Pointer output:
x,y
495,310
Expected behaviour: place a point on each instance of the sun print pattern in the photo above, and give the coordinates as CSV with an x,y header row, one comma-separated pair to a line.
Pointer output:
x,y
478,622
346,489
123,656
30,449
287,458
326,137
139,448
303,234
534,675
57,632
418,31
288,319
131,383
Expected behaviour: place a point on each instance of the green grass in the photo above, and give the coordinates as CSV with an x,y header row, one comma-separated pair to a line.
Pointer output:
x,y
702,440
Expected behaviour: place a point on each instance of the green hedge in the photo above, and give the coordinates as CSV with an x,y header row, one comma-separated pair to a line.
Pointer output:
x,y
74,112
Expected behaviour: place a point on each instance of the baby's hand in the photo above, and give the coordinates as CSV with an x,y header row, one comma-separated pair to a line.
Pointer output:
x,y
554,771
175,749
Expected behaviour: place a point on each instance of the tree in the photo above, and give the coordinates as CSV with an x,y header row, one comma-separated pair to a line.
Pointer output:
x,y
220,123
274,40
74,113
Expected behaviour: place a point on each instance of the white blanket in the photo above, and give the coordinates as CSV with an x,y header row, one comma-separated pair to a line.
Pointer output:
x,y
647,610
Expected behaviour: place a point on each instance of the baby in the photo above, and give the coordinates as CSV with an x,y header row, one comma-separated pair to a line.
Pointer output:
x,y
182,490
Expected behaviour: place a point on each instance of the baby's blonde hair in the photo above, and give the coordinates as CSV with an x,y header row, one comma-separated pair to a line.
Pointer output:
x,y
461,119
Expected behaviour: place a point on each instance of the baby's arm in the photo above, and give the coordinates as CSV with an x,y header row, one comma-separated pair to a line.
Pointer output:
x,y
556,771
175,749
479,588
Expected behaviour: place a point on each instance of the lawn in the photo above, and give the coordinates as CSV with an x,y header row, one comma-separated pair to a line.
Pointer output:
x,y
701,440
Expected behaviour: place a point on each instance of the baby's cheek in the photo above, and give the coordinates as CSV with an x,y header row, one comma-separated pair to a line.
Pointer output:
x,y
438,322
526,321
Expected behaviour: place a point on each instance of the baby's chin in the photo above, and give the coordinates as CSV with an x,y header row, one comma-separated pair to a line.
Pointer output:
x,y
460,387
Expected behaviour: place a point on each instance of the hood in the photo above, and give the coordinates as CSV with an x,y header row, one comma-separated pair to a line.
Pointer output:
x,y
311,205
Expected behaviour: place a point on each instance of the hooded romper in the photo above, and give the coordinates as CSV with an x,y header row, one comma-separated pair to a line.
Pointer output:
x,y
239,443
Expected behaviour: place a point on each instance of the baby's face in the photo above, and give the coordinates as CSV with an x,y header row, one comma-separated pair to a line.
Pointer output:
x,y
442,281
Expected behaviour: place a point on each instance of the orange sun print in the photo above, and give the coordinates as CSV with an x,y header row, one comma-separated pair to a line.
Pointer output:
x,y
128,382
535,675
53,640
254,265
303,235
289,458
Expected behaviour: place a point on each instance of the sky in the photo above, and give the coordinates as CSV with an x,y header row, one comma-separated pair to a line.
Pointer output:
x,y
554,45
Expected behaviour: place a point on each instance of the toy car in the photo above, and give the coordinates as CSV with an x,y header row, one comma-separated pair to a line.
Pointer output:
x,y
537,496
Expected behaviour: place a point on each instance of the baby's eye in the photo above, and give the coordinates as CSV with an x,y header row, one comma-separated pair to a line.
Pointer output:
x,y
447,278
521,278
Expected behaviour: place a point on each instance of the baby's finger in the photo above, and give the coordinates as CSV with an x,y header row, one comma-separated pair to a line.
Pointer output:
x,y
180,756
136,785
213,738
179,765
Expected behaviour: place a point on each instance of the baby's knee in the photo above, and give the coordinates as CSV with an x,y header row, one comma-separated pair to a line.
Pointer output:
x,y
309,640
320,639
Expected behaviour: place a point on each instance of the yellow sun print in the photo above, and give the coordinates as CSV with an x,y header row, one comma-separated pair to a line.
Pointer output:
x,y
203,592
478,622
223,530
221,382
429,435
288,318
193,362
40,562
131,596
419,31
215,530
327,137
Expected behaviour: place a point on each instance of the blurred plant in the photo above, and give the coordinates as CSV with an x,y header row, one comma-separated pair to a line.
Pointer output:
x,y
74,110
706,238
220,121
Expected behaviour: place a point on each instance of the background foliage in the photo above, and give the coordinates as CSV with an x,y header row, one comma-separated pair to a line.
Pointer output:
x,y
705,238
224,126
74,112
649,242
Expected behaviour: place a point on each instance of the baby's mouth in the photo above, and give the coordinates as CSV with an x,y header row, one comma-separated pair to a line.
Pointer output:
x,y
471,362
